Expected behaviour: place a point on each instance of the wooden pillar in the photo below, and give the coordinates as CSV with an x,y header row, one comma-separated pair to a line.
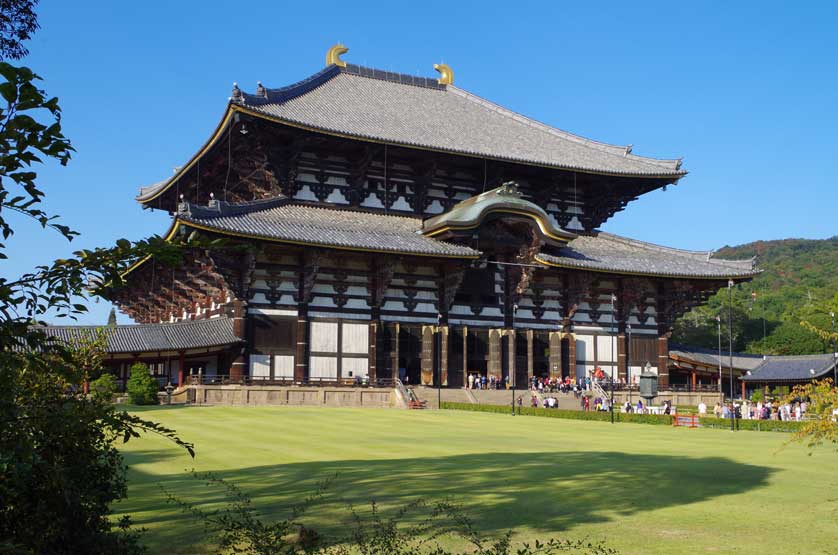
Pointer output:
x,y
693,379
663,362
442,359
494,365
465,356
571,354
511,362
181,368
238,369
394,349
530,358
555,358
743,388
427,377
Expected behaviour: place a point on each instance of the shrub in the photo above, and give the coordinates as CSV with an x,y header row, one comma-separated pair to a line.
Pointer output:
x,y
754,425
706,422
757,396
103,387
141,387
568,414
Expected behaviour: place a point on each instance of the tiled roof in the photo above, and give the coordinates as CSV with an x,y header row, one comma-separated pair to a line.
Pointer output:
x,y
612,253
792,368
283,220
762,368
415,111
180,336
710,357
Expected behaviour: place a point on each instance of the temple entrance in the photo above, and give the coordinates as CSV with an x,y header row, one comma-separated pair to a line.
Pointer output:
x,y
410,354
521,359
541,353
477,352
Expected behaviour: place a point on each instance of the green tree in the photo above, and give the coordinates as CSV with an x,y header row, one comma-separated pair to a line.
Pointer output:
x,y
59,467
141,387
104,387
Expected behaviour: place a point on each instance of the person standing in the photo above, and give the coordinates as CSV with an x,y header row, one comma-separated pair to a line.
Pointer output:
x,y
702,409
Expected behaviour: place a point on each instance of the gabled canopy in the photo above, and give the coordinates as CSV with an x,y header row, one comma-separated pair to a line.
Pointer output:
x,y
503,201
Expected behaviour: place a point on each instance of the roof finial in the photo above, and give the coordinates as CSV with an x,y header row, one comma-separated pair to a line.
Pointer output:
x,y
236,96
334,53
260,90
446,74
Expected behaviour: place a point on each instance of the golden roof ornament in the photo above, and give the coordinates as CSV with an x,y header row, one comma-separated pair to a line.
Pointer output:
x,y
446,74
334,53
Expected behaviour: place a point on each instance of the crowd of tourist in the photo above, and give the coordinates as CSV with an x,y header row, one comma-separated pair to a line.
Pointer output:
x,y
748,410
478,381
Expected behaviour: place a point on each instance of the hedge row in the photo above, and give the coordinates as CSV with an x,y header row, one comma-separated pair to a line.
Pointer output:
x,y
560,413
717,423
754,425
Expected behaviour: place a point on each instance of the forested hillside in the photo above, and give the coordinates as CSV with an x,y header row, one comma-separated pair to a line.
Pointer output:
x,y
799,282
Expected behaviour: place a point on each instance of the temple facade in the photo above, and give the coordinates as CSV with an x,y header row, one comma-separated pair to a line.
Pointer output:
x,y
377,226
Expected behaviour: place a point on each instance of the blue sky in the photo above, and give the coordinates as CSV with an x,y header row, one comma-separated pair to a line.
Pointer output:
x,y
746,92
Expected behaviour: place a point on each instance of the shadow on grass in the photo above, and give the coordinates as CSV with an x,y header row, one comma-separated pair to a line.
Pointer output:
x,y
546,492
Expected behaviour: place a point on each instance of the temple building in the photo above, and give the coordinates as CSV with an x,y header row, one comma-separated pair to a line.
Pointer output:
x,y
377,226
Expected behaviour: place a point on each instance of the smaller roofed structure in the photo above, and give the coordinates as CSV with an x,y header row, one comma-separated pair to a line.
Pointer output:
x,y
792,369
155,338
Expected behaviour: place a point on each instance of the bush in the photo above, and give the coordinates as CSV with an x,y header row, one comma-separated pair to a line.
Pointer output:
x,y
757,396
706,422
103,387
568,414
754,425
141,387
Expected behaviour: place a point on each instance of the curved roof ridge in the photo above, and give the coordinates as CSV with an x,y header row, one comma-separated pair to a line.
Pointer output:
x,y
131,326
283,94
623,151
701,255
704,255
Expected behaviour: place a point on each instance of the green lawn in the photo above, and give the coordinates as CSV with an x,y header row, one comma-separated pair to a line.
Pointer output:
x,y
645,489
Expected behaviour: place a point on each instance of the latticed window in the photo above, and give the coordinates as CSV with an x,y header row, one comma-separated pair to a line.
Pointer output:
x,y
339,349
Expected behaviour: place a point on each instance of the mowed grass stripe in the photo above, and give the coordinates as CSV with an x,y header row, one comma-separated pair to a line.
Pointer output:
x,y
645,489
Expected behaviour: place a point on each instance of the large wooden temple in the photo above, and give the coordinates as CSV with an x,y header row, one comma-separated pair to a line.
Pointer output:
x,y
380,226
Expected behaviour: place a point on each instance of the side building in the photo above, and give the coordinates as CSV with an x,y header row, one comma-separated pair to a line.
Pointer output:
x,y
380,226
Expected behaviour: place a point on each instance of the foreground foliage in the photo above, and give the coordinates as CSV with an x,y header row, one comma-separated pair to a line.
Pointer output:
x,y
822,426
59,467
240,530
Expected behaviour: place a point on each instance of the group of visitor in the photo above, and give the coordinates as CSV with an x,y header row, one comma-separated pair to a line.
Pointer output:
x,y
553,385
478,381
749,410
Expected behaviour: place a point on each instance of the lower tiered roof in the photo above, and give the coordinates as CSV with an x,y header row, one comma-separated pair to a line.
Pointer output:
x,y
604,252
284,220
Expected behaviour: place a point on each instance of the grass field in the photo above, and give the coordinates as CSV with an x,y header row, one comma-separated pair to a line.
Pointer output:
x,y
644,489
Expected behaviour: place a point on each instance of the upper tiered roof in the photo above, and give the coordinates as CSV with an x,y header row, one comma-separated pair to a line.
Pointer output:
x,y
419,112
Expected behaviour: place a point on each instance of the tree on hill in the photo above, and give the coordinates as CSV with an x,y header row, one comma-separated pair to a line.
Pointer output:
x,y
797,284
